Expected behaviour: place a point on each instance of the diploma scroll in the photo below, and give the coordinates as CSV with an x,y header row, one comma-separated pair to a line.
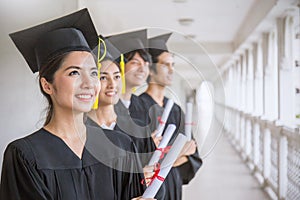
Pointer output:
x,y
164,117
166,166
163,144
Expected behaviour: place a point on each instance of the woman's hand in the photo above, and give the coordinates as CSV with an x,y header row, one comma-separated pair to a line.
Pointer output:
x,y
155,139
148,173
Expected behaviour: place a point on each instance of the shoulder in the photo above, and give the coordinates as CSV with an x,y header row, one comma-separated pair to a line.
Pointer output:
x,y
22,147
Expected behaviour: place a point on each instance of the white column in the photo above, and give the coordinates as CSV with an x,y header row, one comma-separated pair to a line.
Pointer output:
x,y
287,93
250,82
258,90
271,79
244,83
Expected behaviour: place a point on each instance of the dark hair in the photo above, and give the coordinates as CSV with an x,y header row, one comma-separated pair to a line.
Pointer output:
x,y
47,71
143,53
155,53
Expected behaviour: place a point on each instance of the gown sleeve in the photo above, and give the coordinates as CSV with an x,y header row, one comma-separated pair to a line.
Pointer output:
x,y
20,179
188,170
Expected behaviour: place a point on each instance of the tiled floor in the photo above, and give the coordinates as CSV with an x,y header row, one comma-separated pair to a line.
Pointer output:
x,y
223,176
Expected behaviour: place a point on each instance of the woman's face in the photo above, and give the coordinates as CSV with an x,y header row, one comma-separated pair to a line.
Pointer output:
x,y
75,85
111,84
136,71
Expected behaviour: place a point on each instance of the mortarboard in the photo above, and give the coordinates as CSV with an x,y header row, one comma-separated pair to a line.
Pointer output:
x,y
159,42
111,52
130,41
39,44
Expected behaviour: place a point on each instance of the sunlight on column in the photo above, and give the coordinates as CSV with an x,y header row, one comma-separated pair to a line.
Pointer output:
x,y
204,101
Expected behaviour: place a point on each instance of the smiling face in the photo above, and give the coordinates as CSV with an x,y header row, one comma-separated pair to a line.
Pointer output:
x,y
164,70
136,71
75,83
111,84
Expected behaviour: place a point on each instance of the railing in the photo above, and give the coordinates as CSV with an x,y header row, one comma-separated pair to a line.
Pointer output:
x,y
272,152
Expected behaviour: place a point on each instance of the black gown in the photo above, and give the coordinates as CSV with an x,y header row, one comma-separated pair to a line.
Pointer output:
x,y
140,135
184,173
41,166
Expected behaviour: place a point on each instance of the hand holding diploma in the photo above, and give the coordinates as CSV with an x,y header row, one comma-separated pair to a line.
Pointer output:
x,y
162,145
188,149
155,139
166,166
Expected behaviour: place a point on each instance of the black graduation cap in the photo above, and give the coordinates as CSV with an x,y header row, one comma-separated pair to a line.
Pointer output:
x,y
39,44
130,41
159,42
111,52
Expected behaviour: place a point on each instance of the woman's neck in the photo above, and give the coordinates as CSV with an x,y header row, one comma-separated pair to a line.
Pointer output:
x,y
157,92
127,95
104,115
67,125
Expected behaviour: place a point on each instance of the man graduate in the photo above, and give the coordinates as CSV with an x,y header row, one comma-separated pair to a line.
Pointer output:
x,y
154,101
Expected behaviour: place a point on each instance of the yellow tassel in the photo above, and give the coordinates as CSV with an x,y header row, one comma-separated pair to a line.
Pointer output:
x,y
96,103
122,66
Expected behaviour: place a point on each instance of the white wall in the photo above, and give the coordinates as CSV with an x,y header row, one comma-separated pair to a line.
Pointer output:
x,y
21,108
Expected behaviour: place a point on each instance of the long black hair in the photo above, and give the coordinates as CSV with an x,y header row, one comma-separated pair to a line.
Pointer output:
x,y
47,71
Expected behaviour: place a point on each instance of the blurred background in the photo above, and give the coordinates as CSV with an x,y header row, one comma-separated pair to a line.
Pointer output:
x,y
237,61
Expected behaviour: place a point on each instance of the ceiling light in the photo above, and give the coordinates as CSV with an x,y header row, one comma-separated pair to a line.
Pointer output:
x,y
185,21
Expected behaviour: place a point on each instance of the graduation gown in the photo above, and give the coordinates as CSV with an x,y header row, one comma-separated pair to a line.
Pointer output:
x,y
41,166
128,121
178,175
141,136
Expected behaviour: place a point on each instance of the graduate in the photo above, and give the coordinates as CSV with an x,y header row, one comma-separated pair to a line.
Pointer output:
x,y
65,160
133,46
136,70
154,100
105,117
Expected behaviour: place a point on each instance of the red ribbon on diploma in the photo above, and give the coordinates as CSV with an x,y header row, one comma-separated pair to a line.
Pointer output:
x,y
160,121
155,175
164,151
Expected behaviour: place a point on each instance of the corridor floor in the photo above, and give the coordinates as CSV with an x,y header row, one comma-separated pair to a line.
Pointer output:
x,y
223,176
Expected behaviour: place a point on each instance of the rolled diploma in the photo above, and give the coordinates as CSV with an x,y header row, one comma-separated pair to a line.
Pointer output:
x,y
163,143
188,120
166,166
164,117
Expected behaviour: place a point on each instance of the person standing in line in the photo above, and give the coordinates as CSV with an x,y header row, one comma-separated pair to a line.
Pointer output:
x,y
55,162
136,70
105,117
154,100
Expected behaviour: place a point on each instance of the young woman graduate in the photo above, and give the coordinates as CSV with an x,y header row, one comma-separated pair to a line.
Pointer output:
x,y
135,71
153,100
57,161
105,117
